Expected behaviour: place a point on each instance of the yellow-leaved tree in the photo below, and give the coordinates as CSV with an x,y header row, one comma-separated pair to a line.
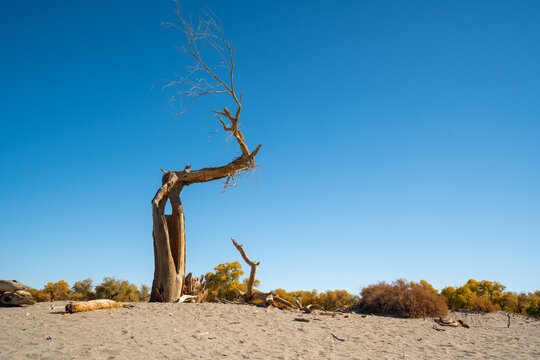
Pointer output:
x,y
224,282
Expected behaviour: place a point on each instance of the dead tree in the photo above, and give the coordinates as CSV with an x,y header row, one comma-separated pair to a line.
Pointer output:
x,y
256,297
202,79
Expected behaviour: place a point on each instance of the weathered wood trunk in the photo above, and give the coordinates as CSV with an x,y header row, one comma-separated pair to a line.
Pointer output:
x,y
169,230
81,306
169,242
17,298
12,293
11,285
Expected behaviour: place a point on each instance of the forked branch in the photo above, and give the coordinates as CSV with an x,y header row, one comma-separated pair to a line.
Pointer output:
x,y
254,267
207,33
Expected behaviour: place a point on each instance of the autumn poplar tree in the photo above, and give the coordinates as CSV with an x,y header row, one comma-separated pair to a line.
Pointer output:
x,y
202,78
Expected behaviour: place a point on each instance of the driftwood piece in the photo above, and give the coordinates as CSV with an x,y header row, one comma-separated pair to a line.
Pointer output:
x,y
17,298
335,337
186,298
224,301
81,306
281,303
11,286
462,323
458,323
195,288
312,307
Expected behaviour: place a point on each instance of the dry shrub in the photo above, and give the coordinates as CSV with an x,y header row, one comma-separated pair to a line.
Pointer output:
x,y
482,305
400,298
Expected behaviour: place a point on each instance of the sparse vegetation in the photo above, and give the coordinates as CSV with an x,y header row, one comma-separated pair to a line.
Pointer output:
x,y
401,298
225,283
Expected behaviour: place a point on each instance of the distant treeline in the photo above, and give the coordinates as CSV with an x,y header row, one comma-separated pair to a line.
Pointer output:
x,y
402,298
412,299
110,288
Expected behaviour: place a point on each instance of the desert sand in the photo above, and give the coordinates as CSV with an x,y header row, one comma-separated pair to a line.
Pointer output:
x,y
216,331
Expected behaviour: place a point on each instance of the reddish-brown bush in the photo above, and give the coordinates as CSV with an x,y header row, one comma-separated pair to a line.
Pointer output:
x,y
482,305
400,298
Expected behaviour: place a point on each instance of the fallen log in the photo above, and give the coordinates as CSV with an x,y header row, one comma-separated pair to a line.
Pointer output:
x,y
312,307
186,298
458,323
17,298
225,301
11,286
81,306
462,323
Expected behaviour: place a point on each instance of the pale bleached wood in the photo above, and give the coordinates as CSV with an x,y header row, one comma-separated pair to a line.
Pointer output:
x,y
81,306
186,298
11,285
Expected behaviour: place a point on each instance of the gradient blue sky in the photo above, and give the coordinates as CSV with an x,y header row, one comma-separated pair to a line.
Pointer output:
x,y
400,139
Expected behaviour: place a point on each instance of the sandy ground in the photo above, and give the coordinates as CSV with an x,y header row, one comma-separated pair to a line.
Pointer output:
x,y
215,331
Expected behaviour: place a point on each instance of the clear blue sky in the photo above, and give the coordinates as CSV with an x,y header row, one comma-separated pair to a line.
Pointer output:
x,y
400,139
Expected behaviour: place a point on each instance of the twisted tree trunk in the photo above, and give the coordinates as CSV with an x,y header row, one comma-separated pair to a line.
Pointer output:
x,y
169,230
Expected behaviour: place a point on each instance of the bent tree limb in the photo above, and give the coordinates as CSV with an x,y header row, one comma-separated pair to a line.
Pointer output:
x,y
256,297
169,229
254,266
